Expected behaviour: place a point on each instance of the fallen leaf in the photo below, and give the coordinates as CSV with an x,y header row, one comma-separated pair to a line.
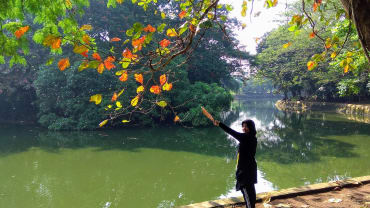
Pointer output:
x,y
281,205
334,200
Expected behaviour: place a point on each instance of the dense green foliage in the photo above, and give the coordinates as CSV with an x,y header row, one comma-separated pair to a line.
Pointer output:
x,y
287,67
63,104
62,97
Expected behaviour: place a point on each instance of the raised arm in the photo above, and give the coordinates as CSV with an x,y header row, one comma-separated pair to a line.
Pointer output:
x,y
238,136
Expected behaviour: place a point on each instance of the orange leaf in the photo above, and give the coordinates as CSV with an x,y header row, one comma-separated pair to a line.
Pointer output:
x,y
138,43
286,45
315,5
128,54
100,68
123,77
182,14
167,87
63,64
155,89
108,63
86,39
346,68
20,32
176,119
85,54
162,79
164,43
56,43
149,28
310,65
139,78
114,97
115,39
96,56
192,28
312,35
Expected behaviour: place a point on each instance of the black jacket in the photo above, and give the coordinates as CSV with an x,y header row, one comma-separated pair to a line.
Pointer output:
x,y
246,172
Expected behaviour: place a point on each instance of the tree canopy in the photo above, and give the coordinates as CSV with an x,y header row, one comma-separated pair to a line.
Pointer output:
x,y
165,32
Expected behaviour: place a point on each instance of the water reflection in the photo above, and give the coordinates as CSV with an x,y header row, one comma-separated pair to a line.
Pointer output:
x,y
302,148
170,166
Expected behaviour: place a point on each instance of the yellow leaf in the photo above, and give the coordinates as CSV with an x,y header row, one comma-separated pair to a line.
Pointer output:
x,y
333,55
286,45
103,123
163,15
118,104
120,72
109,106
162,103
120,93
68,4
125,121
349,54
96,98
244,9
100,68
140,89
135,101
171,32
167,87
86,27
346,68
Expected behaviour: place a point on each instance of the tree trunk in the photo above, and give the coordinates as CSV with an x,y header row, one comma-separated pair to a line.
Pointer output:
x,y
359,12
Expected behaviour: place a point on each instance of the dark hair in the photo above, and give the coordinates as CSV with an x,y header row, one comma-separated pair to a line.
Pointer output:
x,y
251,126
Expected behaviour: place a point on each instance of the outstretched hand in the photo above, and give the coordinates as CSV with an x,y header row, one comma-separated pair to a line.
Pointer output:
x,y
216,123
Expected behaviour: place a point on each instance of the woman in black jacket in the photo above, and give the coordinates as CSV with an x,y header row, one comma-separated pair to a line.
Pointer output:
x,y
246,172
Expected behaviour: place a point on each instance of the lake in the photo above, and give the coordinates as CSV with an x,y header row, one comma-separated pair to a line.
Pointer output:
x,y
172,166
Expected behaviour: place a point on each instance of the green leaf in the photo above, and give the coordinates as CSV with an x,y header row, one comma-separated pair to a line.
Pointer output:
x,y
137,27
50,62
161,27
2,60
229,7
183,29
94,64
130,32
162,103
126,62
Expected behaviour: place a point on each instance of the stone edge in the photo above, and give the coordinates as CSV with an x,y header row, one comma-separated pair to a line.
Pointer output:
x,y
285,193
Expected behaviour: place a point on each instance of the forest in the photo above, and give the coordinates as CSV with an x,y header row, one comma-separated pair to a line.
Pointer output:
x,y
202,61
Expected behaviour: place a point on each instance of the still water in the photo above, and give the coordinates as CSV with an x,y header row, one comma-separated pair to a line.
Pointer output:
x,y
171,166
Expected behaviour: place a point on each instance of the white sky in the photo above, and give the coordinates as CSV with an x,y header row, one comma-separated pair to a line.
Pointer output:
x,y
260,24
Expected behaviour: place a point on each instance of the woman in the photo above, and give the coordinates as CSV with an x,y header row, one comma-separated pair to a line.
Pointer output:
x,y
246,172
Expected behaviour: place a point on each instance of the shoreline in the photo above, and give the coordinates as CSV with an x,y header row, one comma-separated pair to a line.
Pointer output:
x,y
285,193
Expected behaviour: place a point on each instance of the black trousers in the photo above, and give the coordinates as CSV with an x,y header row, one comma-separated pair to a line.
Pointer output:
x,y
249,194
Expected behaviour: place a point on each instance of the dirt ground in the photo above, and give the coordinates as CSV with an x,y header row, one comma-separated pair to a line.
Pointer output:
x,y
354,197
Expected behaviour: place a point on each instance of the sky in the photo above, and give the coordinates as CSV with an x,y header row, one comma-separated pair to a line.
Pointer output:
x,y
258,25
